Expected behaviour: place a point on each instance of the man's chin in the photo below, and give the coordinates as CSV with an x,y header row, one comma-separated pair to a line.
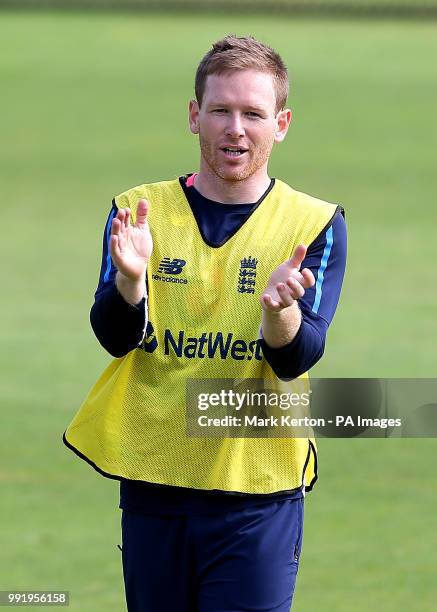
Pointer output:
x,y
233,175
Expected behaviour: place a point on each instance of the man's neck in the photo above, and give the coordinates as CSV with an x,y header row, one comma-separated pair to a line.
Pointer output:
x,y
217,189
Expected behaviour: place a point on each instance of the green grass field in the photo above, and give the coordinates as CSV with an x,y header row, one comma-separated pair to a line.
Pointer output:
x,y
92,105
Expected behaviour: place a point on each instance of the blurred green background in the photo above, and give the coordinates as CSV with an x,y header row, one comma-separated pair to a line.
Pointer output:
x,y
92,104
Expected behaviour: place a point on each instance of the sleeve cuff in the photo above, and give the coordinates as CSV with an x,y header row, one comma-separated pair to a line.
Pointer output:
x,y
281,350
122,302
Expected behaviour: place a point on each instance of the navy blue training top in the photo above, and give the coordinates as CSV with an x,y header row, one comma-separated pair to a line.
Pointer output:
x,y
326,258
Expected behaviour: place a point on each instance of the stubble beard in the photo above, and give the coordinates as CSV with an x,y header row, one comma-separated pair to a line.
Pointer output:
x,y
257,159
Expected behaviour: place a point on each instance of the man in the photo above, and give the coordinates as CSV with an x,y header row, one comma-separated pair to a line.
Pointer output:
x,y
241,281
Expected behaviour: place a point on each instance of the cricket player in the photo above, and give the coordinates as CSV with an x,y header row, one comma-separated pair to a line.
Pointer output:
x,y
223,273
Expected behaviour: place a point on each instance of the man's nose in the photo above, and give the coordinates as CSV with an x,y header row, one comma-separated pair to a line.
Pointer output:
x,y
234,126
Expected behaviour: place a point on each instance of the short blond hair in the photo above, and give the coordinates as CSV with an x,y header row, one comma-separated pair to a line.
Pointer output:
x,y
234,53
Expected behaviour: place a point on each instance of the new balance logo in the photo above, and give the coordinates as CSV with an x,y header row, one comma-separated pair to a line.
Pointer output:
x,y
171,267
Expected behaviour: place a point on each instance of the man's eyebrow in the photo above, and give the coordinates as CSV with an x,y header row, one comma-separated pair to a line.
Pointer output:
x,y
217,103
258,109
250,107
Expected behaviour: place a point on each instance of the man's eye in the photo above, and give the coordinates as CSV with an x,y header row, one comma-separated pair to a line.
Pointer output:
x,y
219,110
252,114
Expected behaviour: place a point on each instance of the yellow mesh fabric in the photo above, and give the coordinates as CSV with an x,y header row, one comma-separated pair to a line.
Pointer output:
x,y
133,422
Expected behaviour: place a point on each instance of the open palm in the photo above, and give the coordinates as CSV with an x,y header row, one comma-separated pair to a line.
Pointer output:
x,y
131,244
287,282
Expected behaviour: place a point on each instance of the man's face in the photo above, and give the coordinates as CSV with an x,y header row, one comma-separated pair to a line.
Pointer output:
x,y
238,124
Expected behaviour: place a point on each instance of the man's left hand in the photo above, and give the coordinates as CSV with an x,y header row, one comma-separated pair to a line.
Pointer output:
x,y
287,283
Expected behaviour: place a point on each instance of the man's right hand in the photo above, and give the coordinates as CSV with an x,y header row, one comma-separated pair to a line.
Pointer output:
x,y
131,247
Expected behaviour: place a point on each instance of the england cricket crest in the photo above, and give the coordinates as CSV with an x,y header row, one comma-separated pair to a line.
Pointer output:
x,y
247,275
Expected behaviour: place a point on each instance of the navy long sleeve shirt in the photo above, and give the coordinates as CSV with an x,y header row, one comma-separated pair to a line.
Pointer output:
x,y
326,258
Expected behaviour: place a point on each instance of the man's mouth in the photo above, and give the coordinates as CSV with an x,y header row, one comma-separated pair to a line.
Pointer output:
x,y
234,151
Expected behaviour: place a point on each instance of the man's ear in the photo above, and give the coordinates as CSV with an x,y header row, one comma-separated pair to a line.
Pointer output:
x,y
193,116
283,120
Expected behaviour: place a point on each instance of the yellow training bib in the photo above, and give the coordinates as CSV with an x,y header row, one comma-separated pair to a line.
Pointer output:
x,y
204,323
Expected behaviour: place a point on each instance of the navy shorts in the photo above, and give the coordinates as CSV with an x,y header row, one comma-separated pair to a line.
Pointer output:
x,y
239,561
